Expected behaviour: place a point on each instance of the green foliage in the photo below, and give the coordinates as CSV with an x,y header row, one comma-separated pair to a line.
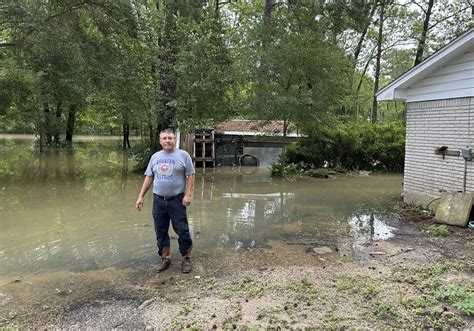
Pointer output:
x,y
385,310
185,307
291,169
461,297
141,152
333,322
352,284
359,145
300,73
304,289
204,74
60,59
146,65
244,288
418,303
10,327
425,278
438,230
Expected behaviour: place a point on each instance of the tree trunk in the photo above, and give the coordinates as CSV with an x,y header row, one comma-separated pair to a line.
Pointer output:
x,y
47,124
57,124
71,119
40,123
373,113
282,157
267,11
422,41
360,43
126,135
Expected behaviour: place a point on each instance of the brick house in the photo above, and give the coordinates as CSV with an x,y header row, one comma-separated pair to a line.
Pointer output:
x,y
439,95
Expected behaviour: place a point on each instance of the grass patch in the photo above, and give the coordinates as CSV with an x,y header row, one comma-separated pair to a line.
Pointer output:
x,y
343,260
231,320
244,288
352,284
304,289
183,283
424,277
462,298
333,322
10,327
386,311
185,307
418,303
437,230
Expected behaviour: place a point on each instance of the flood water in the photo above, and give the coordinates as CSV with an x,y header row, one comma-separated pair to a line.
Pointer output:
x,y
73,210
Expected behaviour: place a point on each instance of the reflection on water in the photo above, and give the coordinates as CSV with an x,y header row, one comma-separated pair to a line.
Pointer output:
x,y
74,209
366,229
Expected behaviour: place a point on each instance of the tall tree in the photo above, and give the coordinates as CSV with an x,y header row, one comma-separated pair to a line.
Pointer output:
x,y
204,74
426,24
262,66
383,7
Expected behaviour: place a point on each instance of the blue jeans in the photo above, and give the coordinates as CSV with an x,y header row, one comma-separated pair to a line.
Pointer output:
x,y
174,210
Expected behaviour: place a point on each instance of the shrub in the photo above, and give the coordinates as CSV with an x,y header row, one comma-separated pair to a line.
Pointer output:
x,y
437,230
358,145
290,169
141,152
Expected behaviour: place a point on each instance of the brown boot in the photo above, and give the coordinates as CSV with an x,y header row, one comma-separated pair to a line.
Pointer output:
x,y
165,260
165,263
186,265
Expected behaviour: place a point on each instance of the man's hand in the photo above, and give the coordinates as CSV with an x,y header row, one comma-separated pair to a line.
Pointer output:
x,y
187,199
139,204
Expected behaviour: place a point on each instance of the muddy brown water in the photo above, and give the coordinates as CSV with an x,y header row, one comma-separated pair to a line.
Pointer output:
x,y
73,210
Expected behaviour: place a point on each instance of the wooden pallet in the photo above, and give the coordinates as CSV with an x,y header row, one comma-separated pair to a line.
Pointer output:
x,y
204,148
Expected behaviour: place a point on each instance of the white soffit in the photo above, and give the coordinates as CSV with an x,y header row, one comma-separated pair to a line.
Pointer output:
x,y
396,90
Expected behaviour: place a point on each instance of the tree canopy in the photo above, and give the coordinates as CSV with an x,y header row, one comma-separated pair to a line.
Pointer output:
x,y
138,66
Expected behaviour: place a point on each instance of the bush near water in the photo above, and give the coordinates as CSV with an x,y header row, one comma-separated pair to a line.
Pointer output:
x,y
351,146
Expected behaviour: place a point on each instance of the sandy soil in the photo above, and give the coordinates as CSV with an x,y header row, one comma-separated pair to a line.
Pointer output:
x,y
416,279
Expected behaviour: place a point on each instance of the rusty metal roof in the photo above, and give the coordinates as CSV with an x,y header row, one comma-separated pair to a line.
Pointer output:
x,y
254,126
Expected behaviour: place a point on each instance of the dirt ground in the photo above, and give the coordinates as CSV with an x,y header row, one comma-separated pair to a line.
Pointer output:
x,y
421,278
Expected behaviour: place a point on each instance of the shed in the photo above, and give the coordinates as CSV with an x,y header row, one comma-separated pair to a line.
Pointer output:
x,y
234,141
439,96
262,140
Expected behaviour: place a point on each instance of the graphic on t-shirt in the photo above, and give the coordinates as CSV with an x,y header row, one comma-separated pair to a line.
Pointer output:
x,y
164,169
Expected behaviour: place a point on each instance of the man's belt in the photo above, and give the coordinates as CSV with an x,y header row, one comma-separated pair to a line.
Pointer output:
x,y
169,197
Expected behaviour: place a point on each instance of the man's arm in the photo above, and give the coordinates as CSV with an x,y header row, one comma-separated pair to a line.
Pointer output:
x,y
188,195
147,182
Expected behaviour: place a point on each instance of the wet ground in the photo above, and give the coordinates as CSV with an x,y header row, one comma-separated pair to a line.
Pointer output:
x,y
395,283
74,252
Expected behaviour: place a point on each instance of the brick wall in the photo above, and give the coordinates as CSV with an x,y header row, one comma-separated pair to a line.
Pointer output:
x,y
431,124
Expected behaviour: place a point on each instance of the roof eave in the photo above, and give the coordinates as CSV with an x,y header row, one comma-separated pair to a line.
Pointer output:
x,y
396,90
392,95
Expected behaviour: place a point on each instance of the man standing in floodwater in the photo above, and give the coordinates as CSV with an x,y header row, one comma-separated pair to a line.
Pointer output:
x,y
171,172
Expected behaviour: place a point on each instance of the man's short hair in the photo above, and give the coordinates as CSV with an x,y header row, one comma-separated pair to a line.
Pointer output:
x,y
170,131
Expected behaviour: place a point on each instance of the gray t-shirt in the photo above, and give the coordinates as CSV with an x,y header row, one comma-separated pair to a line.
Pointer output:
x,y
169,171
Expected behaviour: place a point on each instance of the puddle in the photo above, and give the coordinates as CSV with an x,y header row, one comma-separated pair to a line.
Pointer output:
x,y
365,229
